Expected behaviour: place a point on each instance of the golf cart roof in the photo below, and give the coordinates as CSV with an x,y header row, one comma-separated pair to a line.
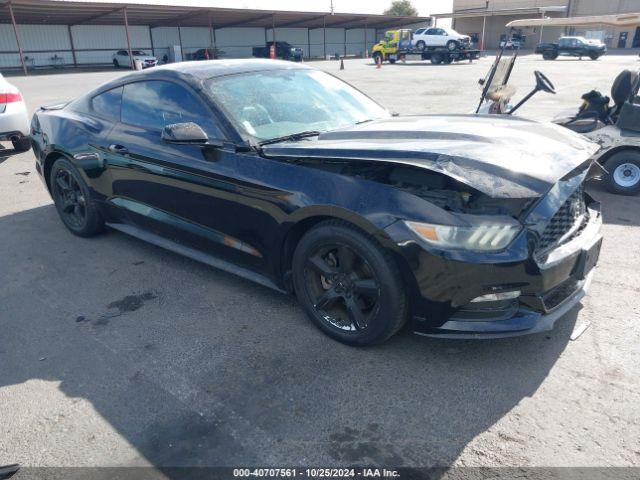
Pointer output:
x,y
619,20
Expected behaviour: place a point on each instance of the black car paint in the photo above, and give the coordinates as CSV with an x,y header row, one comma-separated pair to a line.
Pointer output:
x,y
249,206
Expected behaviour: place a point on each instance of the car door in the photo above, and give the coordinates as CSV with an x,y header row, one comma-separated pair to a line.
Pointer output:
x,y
187,193
430,37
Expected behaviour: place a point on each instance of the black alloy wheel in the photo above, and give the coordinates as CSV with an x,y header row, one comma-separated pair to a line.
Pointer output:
x,y
71,197
349,285
344,290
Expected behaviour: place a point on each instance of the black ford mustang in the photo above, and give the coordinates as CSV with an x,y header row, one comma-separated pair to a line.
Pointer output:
x,y
466,225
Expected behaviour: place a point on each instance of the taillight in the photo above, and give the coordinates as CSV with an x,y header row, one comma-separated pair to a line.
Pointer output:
x,y
10,97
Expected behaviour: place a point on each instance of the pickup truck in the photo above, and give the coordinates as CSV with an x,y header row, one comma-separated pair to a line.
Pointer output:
x,y
284,50
572,47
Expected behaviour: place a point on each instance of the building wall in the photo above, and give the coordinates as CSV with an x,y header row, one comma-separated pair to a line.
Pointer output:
x,y
576,8
610,35
46,45
495,28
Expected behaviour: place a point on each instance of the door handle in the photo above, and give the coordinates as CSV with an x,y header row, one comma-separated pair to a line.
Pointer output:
x,y
119,149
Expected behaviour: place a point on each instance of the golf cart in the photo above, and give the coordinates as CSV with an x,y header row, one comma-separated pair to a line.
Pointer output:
x,y
616,128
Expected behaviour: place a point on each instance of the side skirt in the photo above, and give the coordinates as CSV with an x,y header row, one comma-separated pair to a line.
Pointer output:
x,y
196,255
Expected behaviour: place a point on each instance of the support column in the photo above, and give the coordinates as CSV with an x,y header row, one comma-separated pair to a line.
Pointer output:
x,y
308,43
73,49
15,31
324,36
153,49
366,47
273,30
180,41
126,29
484,24
541,29
345,42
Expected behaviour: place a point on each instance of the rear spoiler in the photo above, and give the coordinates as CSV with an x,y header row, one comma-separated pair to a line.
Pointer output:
x,y
619,20
55,106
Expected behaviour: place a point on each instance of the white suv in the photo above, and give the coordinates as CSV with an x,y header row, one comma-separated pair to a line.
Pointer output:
x,y
440,37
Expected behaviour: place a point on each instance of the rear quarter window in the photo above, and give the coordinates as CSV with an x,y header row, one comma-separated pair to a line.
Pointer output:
x,y
107,104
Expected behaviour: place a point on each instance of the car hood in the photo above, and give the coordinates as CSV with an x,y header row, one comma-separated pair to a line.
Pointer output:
x,y
499,155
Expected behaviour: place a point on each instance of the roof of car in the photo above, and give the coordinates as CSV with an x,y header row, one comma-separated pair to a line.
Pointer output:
x,y
198,71
214,68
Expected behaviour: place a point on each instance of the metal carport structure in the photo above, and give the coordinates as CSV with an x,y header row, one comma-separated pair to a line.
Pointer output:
x,y
72,13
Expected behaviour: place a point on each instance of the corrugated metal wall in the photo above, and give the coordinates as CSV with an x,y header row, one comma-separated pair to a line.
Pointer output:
x,y
50,45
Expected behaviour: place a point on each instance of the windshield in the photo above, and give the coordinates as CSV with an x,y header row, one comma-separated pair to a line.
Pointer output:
x,y
276,103
138,52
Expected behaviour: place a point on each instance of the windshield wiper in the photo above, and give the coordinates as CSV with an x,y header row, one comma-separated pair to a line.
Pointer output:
x,y
291,138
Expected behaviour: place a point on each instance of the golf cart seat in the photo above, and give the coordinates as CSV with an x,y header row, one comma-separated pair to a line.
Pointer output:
x,y
595,111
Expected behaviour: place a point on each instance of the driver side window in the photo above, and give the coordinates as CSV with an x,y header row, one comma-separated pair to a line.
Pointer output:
x,y
154,104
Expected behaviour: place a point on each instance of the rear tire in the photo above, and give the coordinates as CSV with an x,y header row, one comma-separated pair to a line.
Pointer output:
x,y
22,145
115,63
624,173
348,285
549,55
73,201
436,59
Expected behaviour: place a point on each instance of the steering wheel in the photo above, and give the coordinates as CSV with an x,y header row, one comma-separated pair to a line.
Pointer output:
x,y
543,83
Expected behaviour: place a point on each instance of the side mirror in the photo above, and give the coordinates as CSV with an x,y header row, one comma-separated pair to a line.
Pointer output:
x,y
184,133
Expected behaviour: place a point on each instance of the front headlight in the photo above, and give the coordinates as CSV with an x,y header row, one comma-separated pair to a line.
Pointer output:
x,y
483,233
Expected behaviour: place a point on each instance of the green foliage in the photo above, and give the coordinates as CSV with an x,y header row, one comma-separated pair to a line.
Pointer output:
x,y
401,8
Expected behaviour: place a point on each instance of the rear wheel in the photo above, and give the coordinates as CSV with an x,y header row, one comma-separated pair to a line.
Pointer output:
x,y
73,201
115,63
22,145
348,285
624,173
436,59
549,55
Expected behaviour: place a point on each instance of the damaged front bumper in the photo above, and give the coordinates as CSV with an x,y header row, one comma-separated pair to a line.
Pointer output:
x,y
451,288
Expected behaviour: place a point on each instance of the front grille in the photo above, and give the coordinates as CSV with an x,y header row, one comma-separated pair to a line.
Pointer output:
x,y
567,223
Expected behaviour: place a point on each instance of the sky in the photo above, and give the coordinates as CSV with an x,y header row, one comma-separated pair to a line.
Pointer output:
x,y
425,7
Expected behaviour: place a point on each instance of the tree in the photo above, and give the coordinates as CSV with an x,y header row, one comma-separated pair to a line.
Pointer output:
x,y
401,8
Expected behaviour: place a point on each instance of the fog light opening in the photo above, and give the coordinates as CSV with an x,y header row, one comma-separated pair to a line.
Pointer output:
x,y
497,297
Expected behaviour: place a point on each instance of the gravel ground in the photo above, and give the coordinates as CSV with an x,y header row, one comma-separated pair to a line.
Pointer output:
x,y
115,352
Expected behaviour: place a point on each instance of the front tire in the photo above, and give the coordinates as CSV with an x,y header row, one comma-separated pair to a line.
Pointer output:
x,y
73,201
549,55
115,63
348,285
452,45
624,173
421,45
594,56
